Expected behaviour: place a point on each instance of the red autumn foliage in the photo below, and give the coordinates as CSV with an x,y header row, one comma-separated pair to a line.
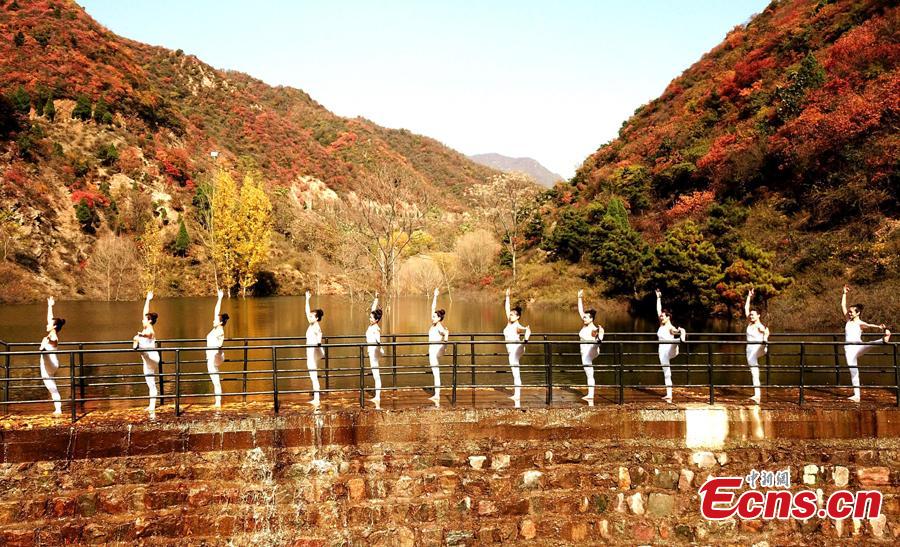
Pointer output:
x,y
93,199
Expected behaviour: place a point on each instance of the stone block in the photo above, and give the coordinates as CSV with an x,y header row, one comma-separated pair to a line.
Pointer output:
x,y
499,461
531,479
704,460
527,529
661,505
624,478
357,488
636,503
809,474
685,480
841,476
643,532
873,476
600,502
86,504
486,508
477,462
666,479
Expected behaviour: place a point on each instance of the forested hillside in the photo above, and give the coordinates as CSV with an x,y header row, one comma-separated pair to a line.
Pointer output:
x,y
770,163
99,133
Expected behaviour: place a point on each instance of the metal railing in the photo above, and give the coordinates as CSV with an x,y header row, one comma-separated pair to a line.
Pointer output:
x,y
103,372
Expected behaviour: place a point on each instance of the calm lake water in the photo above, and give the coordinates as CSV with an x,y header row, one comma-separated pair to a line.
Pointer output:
x,y
191,318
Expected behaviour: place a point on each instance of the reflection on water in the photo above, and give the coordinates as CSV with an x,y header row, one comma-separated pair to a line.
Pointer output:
x,y
284,316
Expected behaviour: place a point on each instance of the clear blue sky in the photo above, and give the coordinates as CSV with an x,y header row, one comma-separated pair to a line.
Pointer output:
x,y
548,80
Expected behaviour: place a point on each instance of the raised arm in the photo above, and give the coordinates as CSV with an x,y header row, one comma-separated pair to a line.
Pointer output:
x,y
747,303
50,302
218,309
844,300
147,303
434,300
507,303
658,302
307,303
375,302
580,303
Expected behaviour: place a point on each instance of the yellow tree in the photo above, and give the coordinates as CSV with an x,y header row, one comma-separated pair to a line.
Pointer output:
x,y
224,228
255,232
152,254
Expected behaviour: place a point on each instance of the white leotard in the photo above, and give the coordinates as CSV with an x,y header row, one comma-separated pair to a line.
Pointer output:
x,y
590,350
667,352
853,332
215,339
755,334
436,334
373,336
314,338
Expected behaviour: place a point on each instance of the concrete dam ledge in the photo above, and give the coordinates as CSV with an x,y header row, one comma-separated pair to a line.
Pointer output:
x,y
127,432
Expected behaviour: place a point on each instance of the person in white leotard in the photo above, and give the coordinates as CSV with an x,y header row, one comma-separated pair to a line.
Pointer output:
x,y
515,347
759,334
666,332
49,362
373,338
853,334
314,351
591,336
146,340
216,339
438,335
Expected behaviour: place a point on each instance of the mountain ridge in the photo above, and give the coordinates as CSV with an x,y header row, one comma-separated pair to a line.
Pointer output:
x,y
529,166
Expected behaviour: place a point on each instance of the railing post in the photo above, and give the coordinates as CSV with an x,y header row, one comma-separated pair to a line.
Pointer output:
x,y
618,360
548,367
275,378
81,379
454,375
768,367
162,378
472,357
362,378
837,369
178,382
897,373
687,359
72,384
802,367
709,371
6,362
244,379
327,372
394,359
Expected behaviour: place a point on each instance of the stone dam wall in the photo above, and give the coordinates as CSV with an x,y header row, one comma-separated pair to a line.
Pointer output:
x,y
624,476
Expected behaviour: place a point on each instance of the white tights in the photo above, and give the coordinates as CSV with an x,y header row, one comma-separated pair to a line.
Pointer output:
x,y
151,369
214,360
49,366
312,364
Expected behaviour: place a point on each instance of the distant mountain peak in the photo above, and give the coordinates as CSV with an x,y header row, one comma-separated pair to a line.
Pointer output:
x,y
529,166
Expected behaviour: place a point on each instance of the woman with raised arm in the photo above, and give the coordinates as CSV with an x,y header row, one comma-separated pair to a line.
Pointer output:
x,y
146,340
438,335
853,335
49,362
591,336
216,339
667,332
759,335
373,338
515,347
314,351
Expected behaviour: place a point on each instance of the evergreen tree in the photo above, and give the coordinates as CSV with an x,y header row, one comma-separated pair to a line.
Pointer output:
x,y
21,101
619,251
83,109
50,109
182,240
19,39
686,267
102,113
